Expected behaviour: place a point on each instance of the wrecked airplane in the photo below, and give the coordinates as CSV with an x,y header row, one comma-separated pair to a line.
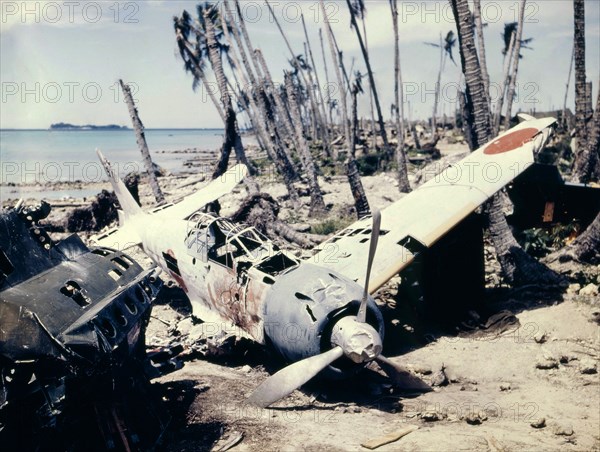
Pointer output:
x,y
318,315
72,353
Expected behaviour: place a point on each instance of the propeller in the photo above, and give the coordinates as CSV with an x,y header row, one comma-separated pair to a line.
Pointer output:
x,y
362,311
352,337
289,378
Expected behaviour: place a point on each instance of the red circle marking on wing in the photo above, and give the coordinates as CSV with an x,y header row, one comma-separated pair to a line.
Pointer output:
x,y
511,141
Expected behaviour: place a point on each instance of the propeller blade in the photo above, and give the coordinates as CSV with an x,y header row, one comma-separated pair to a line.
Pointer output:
x,y
362,311
292,377
402,377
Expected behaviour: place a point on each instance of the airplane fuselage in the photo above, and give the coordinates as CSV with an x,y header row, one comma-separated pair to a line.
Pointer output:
x,y
236,277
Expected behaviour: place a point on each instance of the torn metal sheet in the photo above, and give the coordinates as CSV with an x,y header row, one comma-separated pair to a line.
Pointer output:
x,y
72,351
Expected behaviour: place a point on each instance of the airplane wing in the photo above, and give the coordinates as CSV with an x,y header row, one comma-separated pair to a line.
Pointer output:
x,y
210,192
422,217
125,236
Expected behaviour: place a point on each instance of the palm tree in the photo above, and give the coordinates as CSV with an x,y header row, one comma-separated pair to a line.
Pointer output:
x,y
403,183
259,115
338,74
516,57
193,62
481,46
365,53
509,37
587,162
356,187
141,141
517,266
208,34
564,110
445,47
319,99
317,206
583,164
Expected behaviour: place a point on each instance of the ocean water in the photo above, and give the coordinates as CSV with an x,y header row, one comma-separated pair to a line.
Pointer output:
x,y
29,156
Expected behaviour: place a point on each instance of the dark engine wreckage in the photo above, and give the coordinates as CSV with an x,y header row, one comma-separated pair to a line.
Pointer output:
x,y
73,364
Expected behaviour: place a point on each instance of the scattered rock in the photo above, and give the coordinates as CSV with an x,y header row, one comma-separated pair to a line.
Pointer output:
x,y
588,366
475,418
356,409
539,423
185,326
563,429
573,288
591,290
546,363
564,359
540,338
422,369
430,416
439,378
246,369
505,387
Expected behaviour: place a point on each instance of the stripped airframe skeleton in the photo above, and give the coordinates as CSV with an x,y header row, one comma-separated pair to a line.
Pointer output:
x,y
316,314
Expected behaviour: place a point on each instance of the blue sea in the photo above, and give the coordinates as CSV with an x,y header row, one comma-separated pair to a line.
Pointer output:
x,y
42,156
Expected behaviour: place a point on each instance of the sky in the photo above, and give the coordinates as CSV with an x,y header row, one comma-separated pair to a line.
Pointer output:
x,y
61,61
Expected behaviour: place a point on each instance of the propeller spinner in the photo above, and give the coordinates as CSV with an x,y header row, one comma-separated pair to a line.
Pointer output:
x,y
352,337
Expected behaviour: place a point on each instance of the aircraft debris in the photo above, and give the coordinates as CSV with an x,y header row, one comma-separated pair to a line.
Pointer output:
x,y
72,352
319,315
389,438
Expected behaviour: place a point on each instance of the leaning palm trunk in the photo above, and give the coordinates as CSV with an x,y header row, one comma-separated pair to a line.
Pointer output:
x,y
259,116
232,135
382,131
328,92
500,101
317,205
141,141
516,57
315,112
403,183
564,110
334,57
518,267
356,187
436,97
319,98
371,110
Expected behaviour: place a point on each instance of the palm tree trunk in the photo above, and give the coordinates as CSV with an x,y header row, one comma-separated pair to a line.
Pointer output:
x,y
232,136
326,76
403,183
372,111
587,163
580,77
358,192
258,116
323,108
436,98
334,57
505,71
564,111
516,57
382,131
141,142
481,45
317,206
194,65
518,267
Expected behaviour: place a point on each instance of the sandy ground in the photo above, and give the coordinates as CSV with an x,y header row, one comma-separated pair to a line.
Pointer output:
x,y
496,391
